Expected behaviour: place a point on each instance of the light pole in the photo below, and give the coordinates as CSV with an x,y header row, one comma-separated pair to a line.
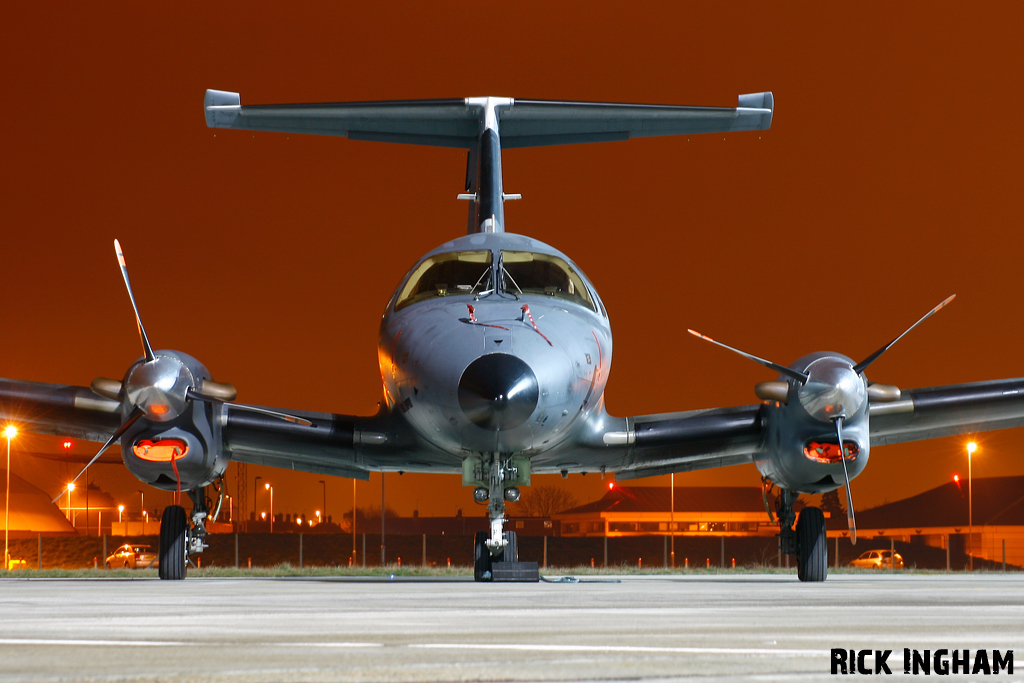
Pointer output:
x,y
10,432
672,516
971,447
120,511
71,487
354,522
324,508
271,489
255,490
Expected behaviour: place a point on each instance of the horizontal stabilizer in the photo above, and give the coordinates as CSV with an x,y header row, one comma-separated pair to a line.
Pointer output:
x,y
455,123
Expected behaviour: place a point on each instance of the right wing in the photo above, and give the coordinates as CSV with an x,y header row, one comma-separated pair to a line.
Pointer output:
x,y
953,410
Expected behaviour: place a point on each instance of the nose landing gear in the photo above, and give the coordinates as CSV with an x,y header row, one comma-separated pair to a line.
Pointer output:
x,y
496,553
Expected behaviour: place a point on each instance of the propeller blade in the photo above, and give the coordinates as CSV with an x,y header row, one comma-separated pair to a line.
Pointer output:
x,y
132,417
138,319
252,409
851,520
788,372
859,367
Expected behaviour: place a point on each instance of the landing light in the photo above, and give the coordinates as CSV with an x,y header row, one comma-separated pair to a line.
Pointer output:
x,y
10,431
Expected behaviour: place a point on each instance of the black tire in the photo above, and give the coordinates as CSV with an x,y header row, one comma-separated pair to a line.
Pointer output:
x,y
126,565
481,557
108,565
173,526
812,545
511,551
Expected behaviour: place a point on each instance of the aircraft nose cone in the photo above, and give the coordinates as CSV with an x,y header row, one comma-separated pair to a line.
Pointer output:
x,y
498,391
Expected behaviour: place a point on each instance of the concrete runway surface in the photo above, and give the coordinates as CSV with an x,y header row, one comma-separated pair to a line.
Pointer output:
x,y
645,628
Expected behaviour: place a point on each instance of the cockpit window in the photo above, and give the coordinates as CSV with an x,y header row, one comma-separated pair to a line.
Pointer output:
x,y
531,273
458,272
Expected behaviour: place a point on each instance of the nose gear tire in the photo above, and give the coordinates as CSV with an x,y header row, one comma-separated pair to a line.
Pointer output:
x,y
481,557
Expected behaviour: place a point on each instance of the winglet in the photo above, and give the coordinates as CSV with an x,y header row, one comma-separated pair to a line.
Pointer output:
x,y
221,107
763,101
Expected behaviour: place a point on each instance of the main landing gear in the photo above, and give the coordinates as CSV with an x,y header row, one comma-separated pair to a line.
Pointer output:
x,y
181,537
808,542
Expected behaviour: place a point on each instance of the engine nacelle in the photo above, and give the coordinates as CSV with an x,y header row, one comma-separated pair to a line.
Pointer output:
x,y
802,453
187,449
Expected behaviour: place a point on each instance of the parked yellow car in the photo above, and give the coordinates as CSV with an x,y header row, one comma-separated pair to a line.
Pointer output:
x,y
133,557
879,559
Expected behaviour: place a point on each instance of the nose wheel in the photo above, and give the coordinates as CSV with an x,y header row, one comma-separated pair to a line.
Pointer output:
x,y
483,559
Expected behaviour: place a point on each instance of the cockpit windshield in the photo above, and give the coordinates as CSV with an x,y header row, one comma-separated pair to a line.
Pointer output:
x,y
470,272
528,272
450,273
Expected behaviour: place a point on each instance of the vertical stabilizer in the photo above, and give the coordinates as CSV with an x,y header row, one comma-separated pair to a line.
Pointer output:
x,y
487,200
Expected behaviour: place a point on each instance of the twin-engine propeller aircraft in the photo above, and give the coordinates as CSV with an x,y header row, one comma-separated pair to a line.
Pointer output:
x,y
494,354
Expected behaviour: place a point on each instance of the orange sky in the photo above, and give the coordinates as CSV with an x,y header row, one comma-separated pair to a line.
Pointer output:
x,y
889,180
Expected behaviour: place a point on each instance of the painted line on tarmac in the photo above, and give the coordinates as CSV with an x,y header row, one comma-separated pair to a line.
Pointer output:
x,y
165,643
324,644
624,648
129,643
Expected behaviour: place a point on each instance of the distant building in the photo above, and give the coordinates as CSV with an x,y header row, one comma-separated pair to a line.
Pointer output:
x,y
646,510
31,512
938,518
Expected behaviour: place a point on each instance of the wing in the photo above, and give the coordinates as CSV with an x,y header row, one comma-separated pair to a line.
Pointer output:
x,y
342,445
649,445
652,445
59,409
935,412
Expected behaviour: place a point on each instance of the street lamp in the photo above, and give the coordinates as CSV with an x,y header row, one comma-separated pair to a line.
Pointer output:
x,y
255,490
10,432
971,447
71,487
120,511
271,489
324,483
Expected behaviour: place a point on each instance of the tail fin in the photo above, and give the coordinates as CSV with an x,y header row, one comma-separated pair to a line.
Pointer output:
x,y
465,123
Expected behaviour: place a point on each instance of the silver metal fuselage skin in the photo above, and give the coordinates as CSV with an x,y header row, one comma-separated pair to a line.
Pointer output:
x,y
426,348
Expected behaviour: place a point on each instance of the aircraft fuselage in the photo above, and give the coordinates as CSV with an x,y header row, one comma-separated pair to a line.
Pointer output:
x,y
494,343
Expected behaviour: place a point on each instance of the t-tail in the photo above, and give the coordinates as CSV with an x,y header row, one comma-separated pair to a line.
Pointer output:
x,y
483,125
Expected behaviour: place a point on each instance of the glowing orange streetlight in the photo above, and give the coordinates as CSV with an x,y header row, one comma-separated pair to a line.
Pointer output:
x,y
270,488
70,487
10,432
120,511
971,447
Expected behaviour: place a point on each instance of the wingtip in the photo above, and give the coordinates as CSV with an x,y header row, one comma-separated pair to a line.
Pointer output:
x,y
120,254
